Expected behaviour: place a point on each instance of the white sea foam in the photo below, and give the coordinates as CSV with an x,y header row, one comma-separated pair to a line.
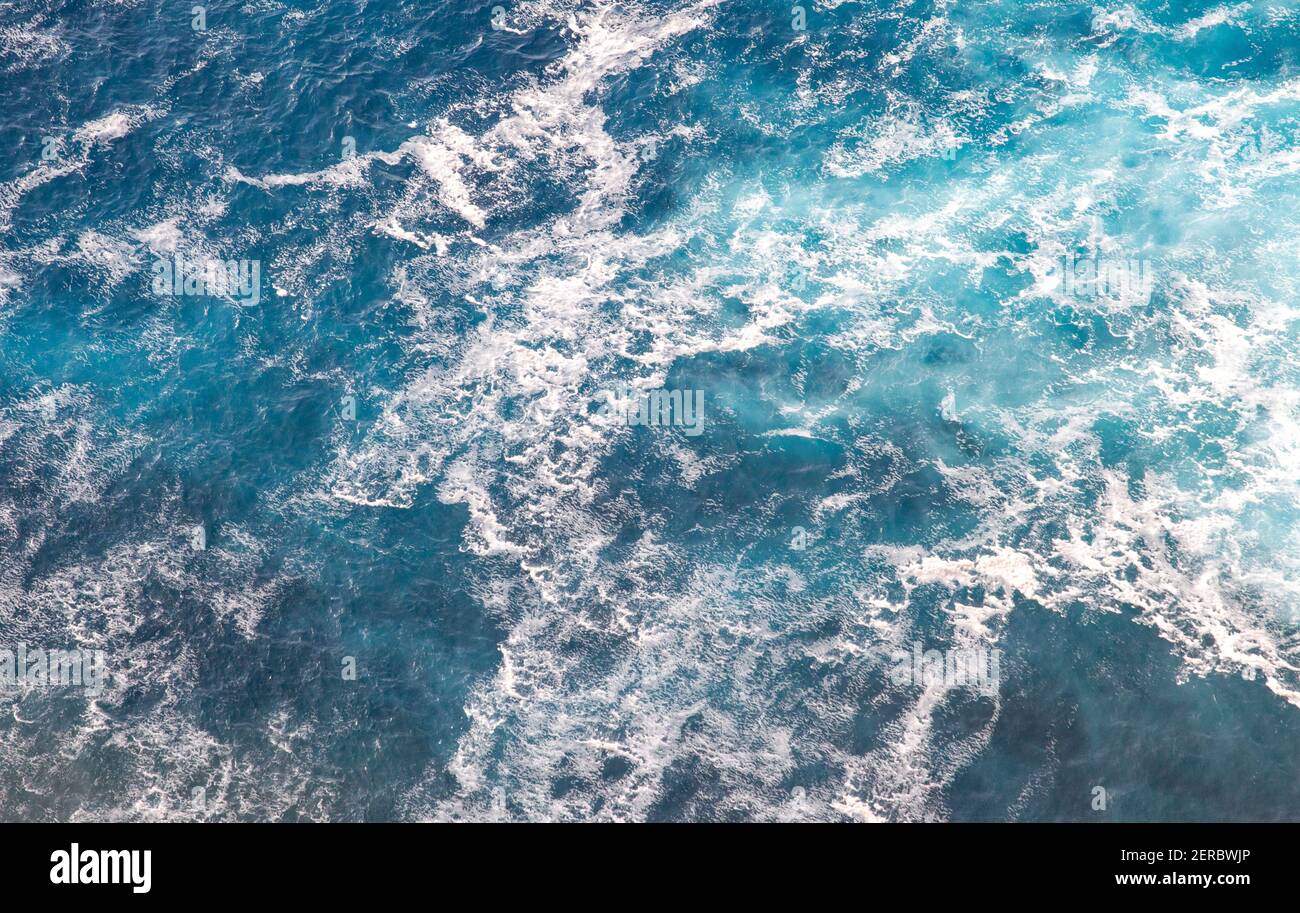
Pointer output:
x,y
73,154
117,601
694,653
31,44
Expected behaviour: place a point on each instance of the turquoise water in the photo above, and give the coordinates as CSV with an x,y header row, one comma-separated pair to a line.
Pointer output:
x,y
362,540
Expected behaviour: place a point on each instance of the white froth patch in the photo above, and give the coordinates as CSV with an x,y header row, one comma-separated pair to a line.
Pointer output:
x,y
9,280
904,778
489,534
444,160
1193,604
161,237
1220,15
392,227
350,172
108,128
29,45
888,141
444,164
86,139
112,256
1121,19
1003,569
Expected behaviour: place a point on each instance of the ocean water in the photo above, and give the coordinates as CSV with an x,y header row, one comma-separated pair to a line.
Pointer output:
x,y
364,539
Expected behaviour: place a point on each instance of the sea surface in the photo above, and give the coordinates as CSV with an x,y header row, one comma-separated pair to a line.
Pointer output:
x,y
362,539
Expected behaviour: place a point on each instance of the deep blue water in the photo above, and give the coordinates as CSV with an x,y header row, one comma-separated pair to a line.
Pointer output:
x,y
847,225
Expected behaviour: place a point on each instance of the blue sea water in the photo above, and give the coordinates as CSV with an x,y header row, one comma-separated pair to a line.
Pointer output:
x,y
438,581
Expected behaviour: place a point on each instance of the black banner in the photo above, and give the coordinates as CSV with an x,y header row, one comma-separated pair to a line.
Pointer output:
x,y
341,862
